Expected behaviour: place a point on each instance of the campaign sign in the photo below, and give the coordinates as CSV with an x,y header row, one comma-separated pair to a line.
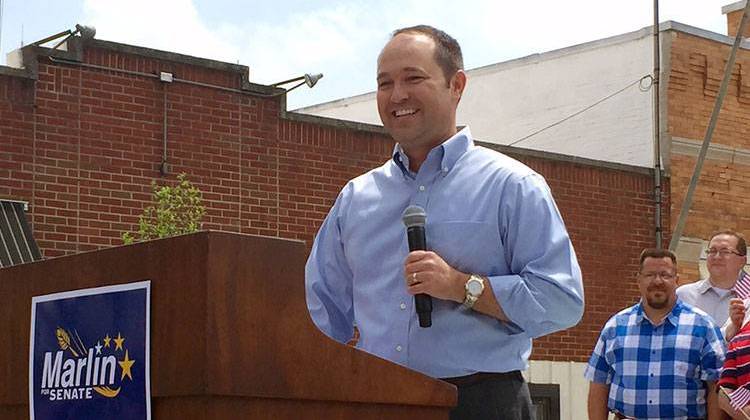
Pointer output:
x,y
89,354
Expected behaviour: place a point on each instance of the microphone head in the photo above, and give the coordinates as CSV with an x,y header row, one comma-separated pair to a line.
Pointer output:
x,y
414,216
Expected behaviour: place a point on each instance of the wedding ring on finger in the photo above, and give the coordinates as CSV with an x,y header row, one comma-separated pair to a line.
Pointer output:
x,y
414,278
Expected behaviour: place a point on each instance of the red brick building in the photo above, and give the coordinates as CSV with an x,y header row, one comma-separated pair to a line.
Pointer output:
x,y
696,67
84,133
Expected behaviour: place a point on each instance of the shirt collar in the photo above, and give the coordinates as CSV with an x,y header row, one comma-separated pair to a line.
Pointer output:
x,y
451,149
673,316
704,286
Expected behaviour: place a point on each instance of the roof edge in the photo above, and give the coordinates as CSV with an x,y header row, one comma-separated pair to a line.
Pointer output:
x,y
733,7
510,150
27,58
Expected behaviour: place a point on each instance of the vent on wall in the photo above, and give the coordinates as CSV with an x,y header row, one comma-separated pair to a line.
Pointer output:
x,y
17,245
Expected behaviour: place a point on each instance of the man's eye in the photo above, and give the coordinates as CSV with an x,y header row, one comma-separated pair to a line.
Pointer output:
x,y
414,79
384,84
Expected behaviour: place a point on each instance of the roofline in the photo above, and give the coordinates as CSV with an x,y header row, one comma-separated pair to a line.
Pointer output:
x,y
733,7
586,46
170,56
704,33
28,56
343,101
509,150
559,157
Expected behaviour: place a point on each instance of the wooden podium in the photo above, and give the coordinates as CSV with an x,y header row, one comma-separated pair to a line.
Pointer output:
x,y
230,335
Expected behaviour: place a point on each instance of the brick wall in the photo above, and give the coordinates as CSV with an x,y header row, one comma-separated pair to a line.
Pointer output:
x,y
721,197
82,145
16,137
733,23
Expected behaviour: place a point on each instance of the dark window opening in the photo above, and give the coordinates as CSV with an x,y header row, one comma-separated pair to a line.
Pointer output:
x,y
17,244
546,400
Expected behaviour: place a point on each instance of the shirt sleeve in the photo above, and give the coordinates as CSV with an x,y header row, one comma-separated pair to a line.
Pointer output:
x,y
599,369
712,354
328,279
728,378
545,293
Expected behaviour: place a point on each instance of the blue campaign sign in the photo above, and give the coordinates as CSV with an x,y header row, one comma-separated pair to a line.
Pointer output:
x,y
89,354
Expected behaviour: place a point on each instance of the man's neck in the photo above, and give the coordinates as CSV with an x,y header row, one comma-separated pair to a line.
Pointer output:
x,y
418,153
723,283
656,316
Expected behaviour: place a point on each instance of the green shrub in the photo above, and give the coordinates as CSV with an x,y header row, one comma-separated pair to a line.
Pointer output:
x,y
176,210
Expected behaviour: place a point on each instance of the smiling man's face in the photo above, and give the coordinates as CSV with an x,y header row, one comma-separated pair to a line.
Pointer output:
x,y
416,103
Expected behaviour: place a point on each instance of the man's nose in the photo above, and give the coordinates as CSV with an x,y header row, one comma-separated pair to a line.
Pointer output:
x,y
400,93
658,280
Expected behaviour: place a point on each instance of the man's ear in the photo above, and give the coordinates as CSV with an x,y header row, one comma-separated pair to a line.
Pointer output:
x,y
458,84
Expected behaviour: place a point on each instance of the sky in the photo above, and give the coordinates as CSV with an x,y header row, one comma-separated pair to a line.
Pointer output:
x,y
282,39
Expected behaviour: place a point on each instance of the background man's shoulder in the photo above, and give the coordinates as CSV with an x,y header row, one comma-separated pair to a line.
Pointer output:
x,y
689,290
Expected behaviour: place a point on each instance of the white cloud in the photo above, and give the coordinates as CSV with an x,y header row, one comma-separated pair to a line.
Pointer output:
x,y
342,39
170,25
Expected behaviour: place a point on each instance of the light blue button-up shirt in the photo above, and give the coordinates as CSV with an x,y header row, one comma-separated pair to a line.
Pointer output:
x,y
487,214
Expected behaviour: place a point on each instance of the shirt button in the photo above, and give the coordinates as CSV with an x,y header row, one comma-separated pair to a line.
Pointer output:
x,y
445,170
421,188
402,306
650,402
399,348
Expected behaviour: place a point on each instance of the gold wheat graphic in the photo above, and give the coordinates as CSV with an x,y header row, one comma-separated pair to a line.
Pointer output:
x,y
63,339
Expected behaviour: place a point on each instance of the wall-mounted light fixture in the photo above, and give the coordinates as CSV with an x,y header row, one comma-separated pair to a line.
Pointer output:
x,y
308,79
87,32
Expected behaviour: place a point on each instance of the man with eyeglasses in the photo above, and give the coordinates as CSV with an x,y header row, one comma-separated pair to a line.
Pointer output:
x,y
658,359
725,257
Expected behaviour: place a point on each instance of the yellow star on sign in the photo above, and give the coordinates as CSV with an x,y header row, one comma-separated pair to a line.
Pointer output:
x,y
126,364
118,342
107,340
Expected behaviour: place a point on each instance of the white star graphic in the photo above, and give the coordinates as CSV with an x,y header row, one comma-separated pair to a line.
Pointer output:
x,y
98,348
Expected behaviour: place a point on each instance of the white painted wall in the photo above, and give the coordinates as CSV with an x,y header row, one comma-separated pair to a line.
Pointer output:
x,y
507,101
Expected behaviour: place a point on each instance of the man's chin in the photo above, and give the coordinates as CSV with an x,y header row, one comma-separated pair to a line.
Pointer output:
x,y
716,271
657,303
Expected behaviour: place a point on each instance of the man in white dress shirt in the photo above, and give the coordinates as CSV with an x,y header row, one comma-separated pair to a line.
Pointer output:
x,y
725,258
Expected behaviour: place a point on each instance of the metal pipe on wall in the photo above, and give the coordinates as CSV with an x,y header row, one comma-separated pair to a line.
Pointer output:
x,y
657,131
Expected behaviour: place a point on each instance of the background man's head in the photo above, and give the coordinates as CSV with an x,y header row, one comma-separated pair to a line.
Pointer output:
x,y
657,278
726,255
420,82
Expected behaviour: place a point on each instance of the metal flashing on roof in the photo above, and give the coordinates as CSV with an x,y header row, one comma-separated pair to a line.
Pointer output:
x,y
17,244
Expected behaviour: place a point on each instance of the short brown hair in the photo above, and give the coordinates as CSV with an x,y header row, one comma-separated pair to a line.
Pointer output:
x,y
656,253
741,244
447,51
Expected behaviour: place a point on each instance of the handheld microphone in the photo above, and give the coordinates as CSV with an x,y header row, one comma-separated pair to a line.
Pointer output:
x,y
414,219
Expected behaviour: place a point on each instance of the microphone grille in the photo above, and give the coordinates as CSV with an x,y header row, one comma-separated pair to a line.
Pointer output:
x,y
414,216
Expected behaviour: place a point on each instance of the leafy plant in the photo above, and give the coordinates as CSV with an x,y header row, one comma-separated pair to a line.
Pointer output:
x,y
176,210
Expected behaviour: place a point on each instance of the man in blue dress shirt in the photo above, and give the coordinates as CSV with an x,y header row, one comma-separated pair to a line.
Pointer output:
x,y
500,268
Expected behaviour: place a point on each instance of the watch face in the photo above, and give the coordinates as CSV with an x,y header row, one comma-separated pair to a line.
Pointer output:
x,y
474,287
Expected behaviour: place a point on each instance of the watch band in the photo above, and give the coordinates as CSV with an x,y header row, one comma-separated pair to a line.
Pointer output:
x,y
471,298
469,301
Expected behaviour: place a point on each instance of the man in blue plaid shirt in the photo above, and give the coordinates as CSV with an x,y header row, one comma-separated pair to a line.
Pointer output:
x,y
658,359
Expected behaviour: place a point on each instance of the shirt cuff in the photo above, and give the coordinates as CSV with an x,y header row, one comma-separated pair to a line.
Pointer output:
x,y
502,288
